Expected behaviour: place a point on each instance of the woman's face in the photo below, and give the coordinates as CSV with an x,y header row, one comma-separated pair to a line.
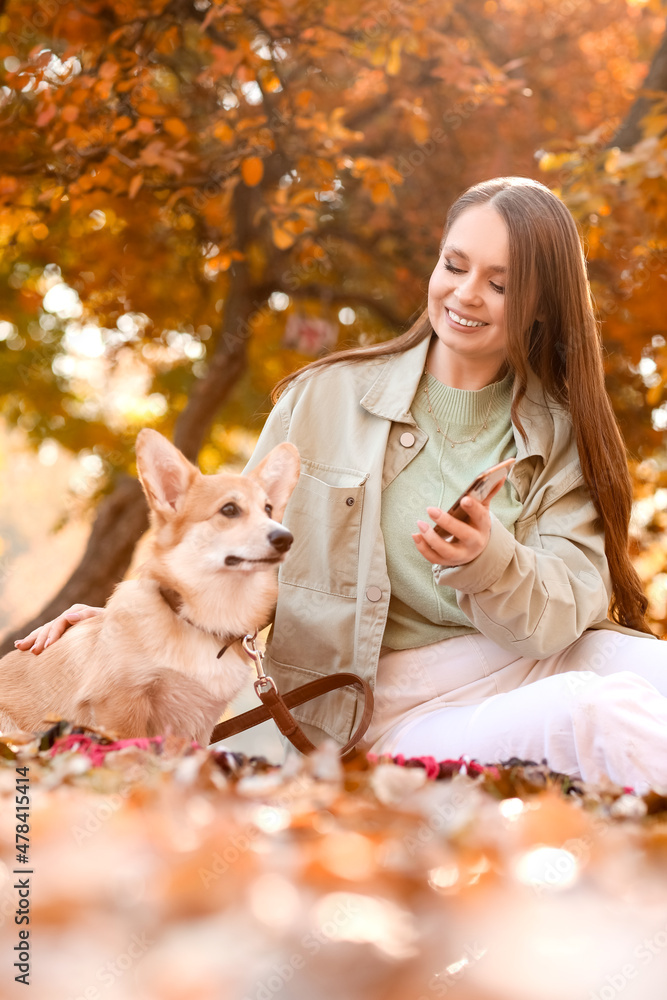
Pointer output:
x,y
466,302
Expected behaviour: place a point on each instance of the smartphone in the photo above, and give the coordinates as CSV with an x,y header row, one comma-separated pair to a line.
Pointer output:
x,y
480,488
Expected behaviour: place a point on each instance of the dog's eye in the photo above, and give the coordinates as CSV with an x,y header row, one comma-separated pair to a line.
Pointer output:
x,y
230,510
269,509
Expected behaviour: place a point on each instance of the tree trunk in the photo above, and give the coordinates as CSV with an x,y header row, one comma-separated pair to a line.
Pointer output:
x,y
122,517
630,131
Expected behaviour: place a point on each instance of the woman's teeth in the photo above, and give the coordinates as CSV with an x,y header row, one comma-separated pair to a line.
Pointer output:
x,y
464,322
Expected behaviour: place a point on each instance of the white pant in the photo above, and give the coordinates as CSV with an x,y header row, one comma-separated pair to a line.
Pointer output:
x,y
597,708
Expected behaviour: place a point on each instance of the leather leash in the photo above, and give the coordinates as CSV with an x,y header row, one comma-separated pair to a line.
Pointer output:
x,y
277,707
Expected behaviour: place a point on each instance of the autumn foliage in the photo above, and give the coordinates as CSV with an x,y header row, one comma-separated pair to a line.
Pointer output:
x,y
226,189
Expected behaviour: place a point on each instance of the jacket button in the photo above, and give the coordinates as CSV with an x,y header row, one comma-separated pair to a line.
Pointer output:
x,y
350,501
374,594
407,439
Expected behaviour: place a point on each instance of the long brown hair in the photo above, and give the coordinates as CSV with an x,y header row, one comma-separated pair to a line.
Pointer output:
x,y
563,348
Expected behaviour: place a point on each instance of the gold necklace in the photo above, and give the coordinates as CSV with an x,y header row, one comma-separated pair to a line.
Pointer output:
x,y
477,432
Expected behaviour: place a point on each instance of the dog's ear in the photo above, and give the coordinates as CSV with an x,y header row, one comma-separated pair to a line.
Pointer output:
x,y
278,473
164,472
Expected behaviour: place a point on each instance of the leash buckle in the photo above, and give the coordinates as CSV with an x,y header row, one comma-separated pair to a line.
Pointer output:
x,y
264,682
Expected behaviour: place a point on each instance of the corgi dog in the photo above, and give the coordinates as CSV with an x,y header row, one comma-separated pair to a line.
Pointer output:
x,y
151,662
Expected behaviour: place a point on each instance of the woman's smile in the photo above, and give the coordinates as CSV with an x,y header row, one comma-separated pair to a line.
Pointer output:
x,y
460,319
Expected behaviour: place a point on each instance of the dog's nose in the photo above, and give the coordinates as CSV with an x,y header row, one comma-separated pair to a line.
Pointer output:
x,y
281,539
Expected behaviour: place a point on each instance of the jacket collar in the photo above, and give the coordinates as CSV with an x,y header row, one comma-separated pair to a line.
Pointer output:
x,y
391,394
392,391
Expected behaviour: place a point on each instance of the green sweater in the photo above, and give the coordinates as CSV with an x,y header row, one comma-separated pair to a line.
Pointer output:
x,y
421,611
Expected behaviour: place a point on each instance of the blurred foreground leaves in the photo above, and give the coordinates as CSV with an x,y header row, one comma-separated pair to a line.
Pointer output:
x,y
166,871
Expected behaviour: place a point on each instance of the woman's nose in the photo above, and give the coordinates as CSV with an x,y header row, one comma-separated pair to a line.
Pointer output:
x,y
468,289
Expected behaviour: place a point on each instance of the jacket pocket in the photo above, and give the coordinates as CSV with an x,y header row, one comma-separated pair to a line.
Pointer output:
x,y
325,519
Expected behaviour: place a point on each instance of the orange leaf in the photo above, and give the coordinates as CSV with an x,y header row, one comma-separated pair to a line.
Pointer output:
x,y
281,237
45,116
222,262
223,132
244,123
175,127
103,89
303,98
419,128
108,70
394,60
50,193
122,123
327,169
40,231
103,175
303,198
70,113
135,184
252,171
271,82
381,192
151,108
168,41
654,394
379,56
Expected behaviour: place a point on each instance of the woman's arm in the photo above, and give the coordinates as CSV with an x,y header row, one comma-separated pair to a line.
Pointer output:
x,y
45,634
537,598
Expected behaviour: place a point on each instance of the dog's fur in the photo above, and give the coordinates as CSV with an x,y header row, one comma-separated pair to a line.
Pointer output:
x,y
140,668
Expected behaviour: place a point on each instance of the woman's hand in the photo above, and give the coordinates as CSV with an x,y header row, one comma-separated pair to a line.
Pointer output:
x,y
469,539
44,635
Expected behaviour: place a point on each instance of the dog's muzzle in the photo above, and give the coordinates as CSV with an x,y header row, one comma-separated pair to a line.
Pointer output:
x,y
279,538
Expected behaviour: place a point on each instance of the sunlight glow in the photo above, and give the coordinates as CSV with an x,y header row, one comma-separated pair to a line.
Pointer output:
x,y
48,452
85,341
252,92
278,301
510,809
63,301
274,900
547,868
344,916
7,329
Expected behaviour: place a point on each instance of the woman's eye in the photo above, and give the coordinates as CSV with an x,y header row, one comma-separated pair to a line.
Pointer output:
x,y
230,510
459,270
269,509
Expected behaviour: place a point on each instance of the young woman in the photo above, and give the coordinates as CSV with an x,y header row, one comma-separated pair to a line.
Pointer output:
x,y
497,643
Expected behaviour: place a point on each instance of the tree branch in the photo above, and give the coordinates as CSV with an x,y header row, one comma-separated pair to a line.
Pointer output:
x,y
229,358
630,131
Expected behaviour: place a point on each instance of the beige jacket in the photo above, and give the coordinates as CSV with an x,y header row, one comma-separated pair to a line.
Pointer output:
x,y
534,592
